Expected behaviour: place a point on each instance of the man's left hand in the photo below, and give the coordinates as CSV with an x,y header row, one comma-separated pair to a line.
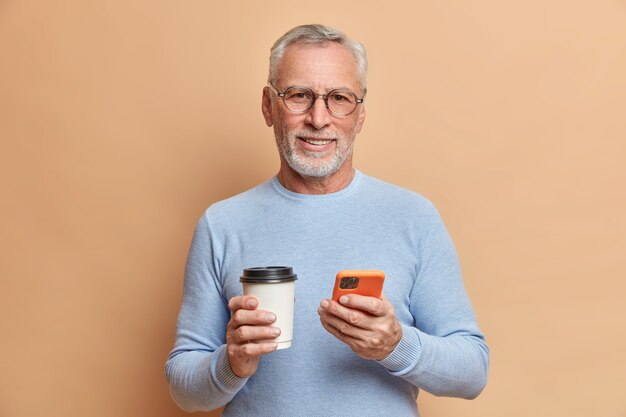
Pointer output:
x,y
367,324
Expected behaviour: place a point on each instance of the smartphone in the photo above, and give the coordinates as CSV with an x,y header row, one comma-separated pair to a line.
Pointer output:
x,y
362,282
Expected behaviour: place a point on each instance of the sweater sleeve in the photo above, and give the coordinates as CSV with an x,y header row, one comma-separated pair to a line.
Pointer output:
x,y
197,369
444,352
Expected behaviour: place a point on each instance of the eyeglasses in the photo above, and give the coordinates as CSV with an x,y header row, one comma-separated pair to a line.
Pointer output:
x,y
340,102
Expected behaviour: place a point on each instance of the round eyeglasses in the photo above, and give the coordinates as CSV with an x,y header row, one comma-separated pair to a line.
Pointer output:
x,y
340,102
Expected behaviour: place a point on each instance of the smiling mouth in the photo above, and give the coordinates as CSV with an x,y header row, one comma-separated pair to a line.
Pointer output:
x,y
318,142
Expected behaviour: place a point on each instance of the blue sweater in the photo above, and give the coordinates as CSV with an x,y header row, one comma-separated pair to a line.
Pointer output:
x,y
368,225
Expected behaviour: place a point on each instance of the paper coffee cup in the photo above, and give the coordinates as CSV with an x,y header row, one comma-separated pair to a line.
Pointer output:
x,y
274,287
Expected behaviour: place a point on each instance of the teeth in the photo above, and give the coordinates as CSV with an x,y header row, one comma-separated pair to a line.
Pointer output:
x,y
318,142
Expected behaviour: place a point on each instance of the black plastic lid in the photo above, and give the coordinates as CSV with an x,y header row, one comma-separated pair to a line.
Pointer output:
x,y
268,275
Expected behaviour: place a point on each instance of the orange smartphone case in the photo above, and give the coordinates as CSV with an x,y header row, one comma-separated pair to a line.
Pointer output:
x,y
368,282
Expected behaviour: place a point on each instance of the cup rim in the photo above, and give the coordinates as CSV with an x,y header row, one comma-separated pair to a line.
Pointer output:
x,y
268,274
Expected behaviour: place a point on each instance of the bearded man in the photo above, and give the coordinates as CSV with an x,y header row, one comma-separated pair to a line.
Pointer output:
x,y
360,355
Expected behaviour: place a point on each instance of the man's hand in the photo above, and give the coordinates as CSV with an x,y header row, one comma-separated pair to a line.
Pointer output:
x,y
246,326
366,324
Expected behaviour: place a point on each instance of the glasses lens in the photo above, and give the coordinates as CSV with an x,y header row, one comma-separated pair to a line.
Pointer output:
x,y
341,102
298,99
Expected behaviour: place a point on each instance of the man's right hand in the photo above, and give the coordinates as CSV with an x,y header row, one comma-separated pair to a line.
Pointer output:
x,y
248,325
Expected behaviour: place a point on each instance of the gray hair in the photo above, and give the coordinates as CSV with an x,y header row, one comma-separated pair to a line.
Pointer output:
x,y
317,34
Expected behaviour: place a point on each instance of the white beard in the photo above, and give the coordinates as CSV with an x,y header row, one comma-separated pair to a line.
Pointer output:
x,y
313,164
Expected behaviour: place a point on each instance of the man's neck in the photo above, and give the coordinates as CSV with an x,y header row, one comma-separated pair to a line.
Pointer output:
x,y
297,183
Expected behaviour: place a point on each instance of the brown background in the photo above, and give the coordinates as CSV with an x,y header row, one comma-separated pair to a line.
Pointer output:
x,y
121,121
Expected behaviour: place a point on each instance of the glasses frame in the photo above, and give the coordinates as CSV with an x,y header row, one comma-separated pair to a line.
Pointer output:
x,y
322,96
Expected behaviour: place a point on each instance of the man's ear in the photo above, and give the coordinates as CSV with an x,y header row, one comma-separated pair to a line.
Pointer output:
x,y
266,107
360,119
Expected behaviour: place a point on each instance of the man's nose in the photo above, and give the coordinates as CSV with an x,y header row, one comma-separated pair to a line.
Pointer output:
x,y
318,116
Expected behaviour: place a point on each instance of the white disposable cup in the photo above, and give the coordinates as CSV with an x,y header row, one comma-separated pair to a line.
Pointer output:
x,y
274,287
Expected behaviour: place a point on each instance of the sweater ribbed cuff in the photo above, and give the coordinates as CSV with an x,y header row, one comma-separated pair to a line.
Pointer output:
x,y
224,374
406,354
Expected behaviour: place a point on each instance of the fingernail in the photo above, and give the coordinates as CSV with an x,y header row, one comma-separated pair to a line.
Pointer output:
x,y
343,299
270,317
252,303
275,331
324,304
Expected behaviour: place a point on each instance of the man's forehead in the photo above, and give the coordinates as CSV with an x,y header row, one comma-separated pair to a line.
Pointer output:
x,y
321,48
329,60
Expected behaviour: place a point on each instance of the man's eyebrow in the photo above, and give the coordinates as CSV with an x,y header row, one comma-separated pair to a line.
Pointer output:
x,y
341,88
326,90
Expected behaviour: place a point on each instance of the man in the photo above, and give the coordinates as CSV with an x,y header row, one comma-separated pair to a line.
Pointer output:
x,y
369,356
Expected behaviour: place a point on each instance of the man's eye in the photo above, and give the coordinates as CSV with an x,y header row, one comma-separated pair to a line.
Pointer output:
x,y
341,98
298,95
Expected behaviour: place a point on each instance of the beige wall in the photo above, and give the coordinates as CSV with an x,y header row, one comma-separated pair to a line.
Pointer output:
x,y
120,121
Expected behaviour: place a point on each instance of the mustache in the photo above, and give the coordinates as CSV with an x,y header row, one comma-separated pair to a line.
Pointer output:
x,y
315,134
